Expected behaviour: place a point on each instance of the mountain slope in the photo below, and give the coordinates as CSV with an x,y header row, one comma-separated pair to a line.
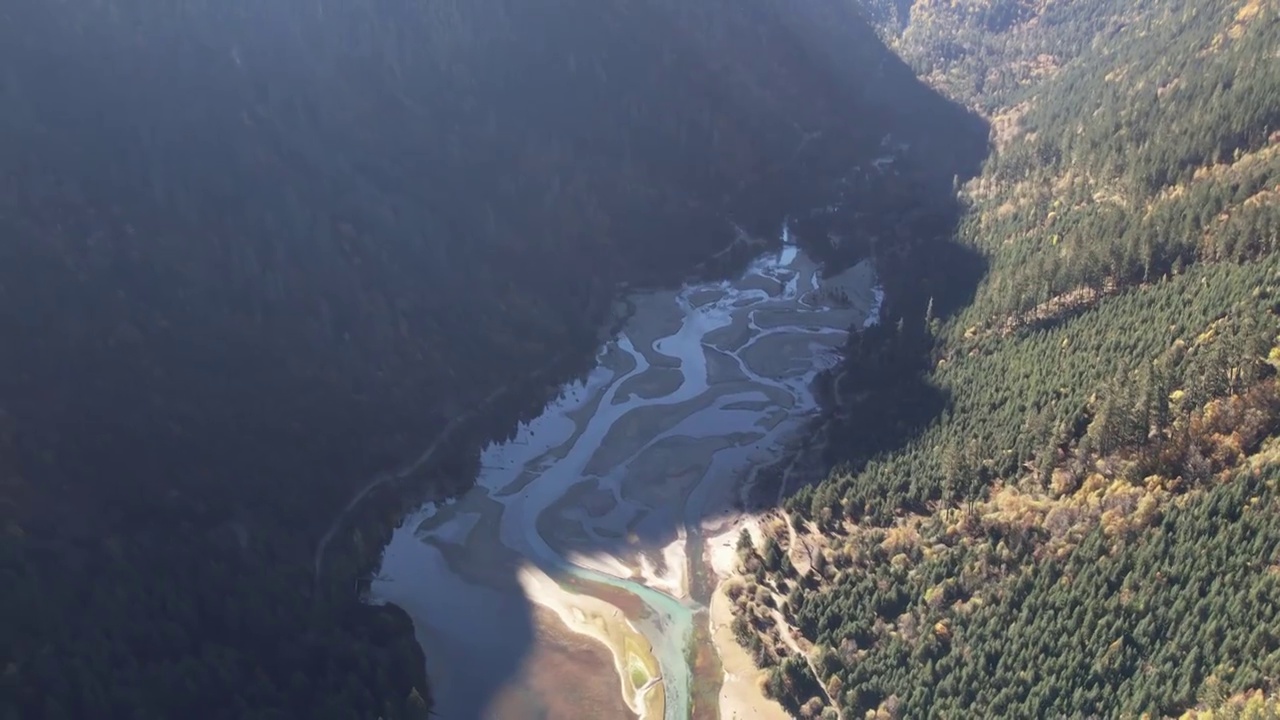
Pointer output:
x,y
1088,525
256,253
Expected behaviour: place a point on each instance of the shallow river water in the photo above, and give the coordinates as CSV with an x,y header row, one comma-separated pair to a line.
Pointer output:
x,y
598,509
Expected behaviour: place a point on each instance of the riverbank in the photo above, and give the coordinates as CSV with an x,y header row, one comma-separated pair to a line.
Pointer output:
x,y
604,516
742,687
620,312
639,677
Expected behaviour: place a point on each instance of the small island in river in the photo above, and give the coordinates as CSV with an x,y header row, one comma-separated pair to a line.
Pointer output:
x,y
570,569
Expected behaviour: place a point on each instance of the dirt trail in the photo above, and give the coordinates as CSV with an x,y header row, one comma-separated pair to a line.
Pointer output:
x,y
383,478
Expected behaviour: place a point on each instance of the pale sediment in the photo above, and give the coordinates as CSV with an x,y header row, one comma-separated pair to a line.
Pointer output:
x,y
640,426
772,319
578,416
667,470
632,654
741,696
706,296
617,361
771,287
782,354
731,337
722,367
611,484
657,315
539,691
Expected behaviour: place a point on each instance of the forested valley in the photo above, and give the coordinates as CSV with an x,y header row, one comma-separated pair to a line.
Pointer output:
x,y
1083,517
255,255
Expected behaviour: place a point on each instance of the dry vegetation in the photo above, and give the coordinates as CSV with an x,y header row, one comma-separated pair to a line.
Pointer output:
x,y
1089,525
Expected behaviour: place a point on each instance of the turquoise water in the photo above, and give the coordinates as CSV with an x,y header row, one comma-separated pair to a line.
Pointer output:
x,y
449,565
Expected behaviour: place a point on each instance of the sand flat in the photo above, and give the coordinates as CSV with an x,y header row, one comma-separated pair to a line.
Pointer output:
x,y
699,387
590,616
741,696
540,691
656,382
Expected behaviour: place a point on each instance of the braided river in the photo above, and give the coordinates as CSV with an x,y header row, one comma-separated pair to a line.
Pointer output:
x,y
574,579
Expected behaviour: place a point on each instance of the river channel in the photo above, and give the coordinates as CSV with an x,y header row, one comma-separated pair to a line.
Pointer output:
x,y
578,560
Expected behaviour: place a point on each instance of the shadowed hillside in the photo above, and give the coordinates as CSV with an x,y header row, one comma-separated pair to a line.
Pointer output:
x,y
255,252
1087,527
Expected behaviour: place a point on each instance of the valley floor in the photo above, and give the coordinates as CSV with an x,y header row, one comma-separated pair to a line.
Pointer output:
x,y
591,522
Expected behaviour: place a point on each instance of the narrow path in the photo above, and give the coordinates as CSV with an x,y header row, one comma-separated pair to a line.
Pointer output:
x,y
383,478
788,639
802,563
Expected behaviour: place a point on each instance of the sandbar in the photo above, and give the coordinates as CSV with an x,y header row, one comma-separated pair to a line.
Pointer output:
x,y
759,282
780,355
633,658
706,296
539,691
722,367
639,426
731,337
657,315
656,382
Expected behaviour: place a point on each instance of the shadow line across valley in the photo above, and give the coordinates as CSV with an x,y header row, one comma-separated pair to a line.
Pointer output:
x,y
255,252
610,512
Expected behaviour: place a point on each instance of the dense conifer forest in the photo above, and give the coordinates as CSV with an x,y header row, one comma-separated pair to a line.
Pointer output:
x,y
1058,498
256,253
